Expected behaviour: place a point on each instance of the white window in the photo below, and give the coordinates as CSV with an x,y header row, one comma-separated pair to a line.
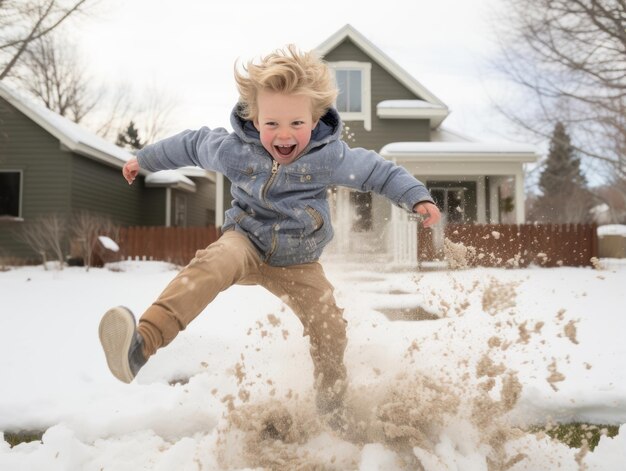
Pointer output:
x,y
354,99
10,194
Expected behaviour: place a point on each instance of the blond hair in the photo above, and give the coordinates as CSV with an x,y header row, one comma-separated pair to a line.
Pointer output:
x,y
286,71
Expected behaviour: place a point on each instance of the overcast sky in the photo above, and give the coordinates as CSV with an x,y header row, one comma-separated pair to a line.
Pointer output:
x,y
187,49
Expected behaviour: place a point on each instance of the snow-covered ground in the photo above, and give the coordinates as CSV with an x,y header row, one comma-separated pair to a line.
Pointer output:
x,y
511,347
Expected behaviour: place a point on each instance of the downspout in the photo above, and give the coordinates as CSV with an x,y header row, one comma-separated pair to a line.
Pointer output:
x,y
168,207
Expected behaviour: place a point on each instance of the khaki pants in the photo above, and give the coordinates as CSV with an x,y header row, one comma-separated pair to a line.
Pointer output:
x,y
232,259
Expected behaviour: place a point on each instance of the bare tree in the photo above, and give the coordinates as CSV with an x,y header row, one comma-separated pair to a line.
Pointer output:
x,y
52,72
24,21
569,56
86,230
46,235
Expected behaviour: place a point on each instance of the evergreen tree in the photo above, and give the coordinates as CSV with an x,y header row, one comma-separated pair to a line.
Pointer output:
x,y
129,138
565,197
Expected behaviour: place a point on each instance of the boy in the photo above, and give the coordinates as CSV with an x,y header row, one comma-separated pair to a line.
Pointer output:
x,y
283,155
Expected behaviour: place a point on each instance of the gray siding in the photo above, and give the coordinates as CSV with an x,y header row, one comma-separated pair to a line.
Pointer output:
x,y
46,173
383,87
101,189
201,205
57,181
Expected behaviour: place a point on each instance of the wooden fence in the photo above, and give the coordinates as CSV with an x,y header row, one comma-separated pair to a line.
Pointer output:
x,y
547,245
481,244
171,244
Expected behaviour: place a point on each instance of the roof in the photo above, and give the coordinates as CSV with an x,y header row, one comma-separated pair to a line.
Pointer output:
x,y
410,109
457,151
71,135
381,59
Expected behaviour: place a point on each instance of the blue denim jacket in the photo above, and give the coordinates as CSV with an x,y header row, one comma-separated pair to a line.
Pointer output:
x,y
283,209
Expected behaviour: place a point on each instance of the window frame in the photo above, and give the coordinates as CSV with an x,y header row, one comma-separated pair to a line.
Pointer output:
x,y
365,114
20,202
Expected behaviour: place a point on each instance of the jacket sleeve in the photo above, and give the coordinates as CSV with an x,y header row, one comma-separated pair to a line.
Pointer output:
x,y
199,148
365,170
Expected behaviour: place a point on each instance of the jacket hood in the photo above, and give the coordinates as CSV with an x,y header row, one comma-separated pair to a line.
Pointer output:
x,y
328,128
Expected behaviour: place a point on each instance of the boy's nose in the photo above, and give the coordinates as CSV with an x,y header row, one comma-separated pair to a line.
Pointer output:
x,y
283,133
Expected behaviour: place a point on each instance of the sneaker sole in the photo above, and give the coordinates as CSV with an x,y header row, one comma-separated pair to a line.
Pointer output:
x,y
116,331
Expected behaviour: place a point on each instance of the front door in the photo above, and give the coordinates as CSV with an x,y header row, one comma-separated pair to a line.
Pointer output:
x,y
456,200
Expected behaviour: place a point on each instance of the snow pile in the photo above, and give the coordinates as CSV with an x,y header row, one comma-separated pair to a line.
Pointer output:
x,y
502,350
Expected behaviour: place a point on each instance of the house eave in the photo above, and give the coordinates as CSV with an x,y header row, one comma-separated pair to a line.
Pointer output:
x,y
459,153
174,186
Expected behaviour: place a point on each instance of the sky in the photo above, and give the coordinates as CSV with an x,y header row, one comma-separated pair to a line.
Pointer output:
x,y
187,49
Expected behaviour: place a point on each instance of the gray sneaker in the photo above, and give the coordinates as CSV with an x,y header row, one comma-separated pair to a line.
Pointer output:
x,y
122,344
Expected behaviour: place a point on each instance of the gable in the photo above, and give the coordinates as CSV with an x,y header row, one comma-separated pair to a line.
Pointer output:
x,y
384,85
379,57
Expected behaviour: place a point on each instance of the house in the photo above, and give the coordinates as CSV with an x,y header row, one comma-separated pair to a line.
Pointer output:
x,y
50,165
387,110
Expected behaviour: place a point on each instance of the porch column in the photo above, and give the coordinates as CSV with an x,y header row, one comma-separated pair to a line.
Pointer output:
x,y
520,213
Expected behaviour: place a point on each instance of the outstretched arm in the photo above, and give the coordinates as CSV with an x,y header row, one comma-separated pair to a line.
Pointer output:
x,y
366,170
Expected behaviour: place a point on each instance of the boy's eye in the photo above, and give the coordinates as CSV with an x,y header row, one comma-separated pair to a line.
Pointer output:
x,y
298,123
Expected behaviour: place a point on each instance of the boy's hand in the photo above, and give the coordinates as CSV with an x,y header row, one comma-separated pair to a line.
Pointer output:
x,y
131,170
428,209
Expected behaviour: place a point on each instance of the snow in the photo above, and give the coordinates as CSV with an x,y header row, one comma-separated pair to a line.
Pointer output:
x,y
460,148
109,243
168,177
404,104
550,340
612,229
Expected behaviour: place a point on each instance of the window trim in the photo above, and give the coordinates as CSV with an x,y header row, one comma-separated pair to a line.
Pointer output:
x,y
365,114
20,203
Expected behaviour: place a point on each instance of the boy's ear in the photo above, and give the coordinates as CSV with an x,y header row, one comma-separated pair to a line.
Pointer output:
x,y
314,125
255,123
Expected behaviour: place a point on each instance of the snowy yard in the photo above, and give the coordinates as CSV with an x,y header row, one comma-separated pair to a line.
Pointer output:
x,y
510,348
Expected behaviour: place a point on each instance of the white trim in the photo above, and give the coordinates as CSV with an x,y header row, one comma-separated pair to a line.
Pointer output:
x,y
381,58
520,213
434,114
168,207
459,152
219,200
365,114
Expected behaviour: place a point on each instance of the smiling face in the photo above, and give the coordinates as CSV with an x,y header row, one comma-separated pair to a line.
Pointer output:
x,y
285,123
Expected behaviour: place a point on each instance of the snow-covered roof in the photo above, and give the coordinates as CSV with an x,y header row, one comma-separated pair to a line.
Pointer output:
x,y
412,109
444,134
612,230
407,104
461,151
172,179
381,58
71,135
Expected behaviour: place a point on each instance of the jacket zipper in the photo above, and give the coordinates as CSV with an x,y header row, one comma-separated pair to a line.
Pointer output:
x,y
270,181
264,195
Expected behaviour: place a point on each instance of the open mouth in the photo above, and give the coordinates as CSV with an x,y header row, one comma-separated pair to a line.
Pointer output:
x,y
285,151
